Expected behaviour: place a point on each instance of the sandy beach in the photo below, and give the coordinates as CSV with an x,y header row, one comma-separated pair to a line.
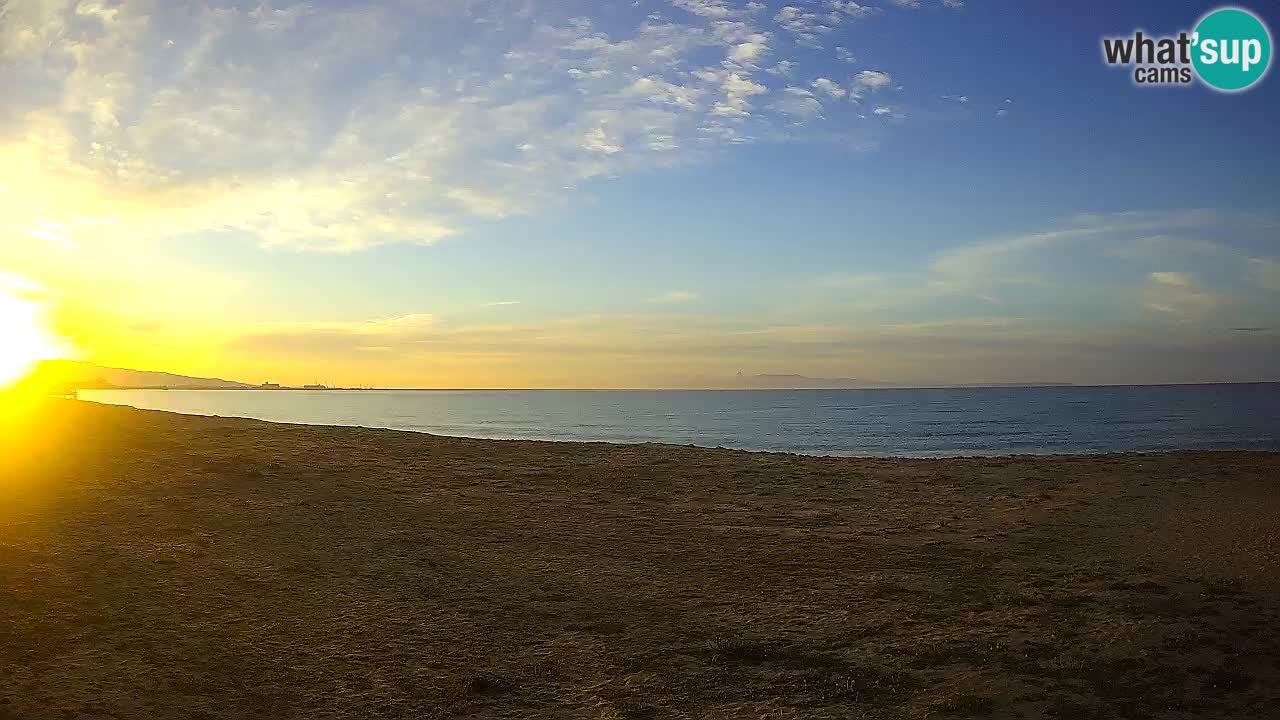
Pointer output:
x,y
165,566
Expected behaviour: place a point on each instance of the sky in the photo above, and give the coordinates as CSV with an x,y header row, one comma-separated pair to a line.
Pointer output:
x,y
660,193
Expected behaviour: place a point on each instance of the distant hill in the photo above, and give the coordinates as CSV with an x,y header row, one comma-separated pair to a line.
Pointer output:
x,y
794,382
804,382
88,375
1012,385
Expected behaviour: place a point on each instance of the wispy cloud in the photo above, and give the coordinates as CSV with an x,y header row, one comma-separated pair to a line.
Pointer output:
x,y
320,337
19,286
1121,264
338,127
915,4
1181,296
1126,233
676,296
1023,307
638,350
1265,272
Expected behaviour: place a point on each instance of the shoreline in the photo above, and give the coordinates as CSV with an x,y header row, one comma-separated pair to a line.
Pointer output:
x,y
627,442
168,565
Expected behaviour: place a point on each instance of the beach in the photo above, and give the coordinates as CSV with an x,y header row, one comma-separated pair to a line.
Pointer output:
x,y
172,566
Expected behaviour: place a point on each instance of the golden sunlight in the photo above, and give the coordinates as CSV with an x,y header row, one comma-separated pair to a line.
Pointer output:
x,y
24,339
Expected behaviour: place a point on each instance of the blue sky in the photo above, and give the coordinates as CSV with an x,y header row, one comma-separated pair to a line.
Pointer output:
x,y
661,193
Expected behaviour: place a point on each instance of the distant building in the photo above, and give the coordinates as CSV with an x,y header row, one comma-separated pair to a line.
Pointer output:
x,y
269,386
314,387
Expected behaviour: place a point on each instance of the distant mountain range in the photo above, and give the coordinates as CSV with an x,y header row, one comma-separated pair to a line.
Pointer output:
x,y
803,382
73,373
795,382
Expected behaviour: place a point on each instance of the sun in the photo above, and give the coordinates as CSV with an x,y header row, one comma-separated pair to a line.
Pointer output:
x,y
24,341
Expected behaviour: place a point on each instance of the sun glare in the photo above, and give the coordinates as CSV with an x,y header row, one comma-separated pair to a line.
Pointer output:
x,y
24,341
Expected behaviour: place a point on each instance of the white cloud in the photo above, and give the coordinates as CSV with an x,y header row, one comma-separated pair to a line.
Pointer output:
x,y
805,25
1176,279
597,140
914,4
872,80
783,68
667,93
717,9
663,143
738,91
751,50
828,87
850,8
339,127
798,103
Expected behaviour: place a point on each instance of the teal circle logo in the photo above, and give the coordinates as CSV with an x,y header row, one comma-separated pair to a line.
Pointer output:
x,y
1231,49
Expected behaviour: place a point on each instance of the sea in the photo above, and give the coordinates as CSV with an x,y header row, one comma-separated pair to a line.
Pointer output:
x,y
877,422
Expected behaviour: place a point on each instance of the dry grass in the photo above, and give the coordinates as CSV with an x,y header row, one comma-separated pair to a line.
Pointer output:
x,y
163,566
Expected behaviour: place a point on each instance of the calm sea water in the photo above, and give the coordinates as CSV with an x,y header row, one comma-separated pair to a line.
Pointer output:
x,y
933,422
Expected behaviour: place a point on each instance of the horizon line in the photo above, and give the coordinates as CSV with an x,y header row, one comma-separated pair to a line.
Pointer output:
x,y
955,386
